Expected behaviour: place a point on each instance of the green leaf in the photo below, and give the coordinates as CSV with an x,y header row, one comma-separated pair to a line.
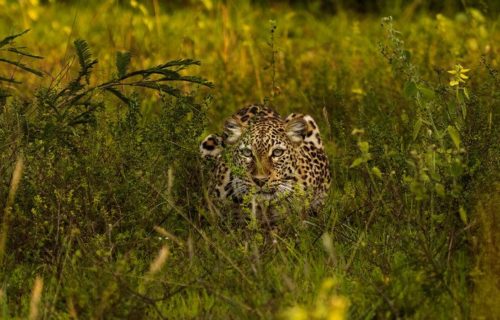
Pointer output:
x,y
456,168
9,39
455,136
12,80
424,177
407,55
169,75
180,63
410,89
416,128
463,107
357,162
460,98
466,93
198,80
119,95
452,108
439,218
84,58
22,66
440,189
363,146
160,87
122,63
463,214
426,92
24,53
376,171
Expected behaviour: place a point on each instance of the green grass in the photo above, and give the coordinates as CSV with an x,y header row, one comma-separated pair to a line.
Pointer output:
x,y
409,229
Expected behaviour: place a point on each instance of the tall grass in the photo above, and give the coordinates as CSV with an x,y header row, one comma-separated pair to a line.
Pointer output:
x,y
112,211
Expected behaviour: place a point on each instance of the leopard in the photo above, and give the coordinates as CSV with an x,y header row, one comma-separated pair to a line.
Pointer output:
x,y
271,160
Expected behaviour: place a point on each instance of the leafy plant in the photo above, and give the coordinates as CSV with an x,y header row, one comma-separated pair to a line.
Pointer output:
x,y
7,46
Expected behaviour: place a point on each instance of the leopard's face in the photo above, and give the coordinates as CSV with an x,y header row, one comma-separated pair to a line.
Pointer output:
x,y
263,161
268,158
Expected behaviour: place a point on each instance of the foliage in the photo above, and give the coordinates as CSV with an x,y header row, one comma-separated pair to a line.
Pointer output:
x,y
6,46
104,205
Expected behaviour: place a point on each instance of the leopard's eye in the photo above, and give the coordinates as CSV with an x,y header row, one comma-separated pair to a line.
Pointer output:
x,y
277,152
246,152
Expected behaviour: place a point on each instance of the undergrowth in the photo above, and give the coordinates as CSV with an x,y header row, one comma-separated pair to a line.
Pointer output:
x,y
104,205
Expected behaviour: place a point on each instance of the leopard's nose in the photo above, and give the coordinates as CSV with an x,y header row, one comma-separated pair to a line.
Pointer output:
x,y
260,181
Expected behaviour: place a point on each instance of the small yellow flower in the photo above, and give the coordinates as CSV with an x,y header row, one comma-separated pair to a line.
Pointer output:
x,y
458,75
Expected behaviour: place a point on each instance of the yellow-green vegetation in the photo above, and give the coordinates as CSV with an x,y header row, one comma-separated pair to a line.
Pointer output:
x,y
103,201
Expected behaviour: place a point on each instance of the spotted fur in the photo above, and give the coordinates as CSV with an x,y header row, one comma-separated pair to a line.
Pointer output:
x,y
273,159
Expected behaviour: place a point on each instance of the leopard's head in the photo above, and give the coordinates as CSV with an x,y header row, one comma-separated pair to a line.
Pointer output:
x,y
262,154
266,156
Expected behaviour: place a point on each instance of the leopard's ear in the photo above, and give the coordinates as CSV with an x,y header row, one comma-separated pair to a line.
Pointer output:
x,y
303,129
211,146
233,128
296,129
